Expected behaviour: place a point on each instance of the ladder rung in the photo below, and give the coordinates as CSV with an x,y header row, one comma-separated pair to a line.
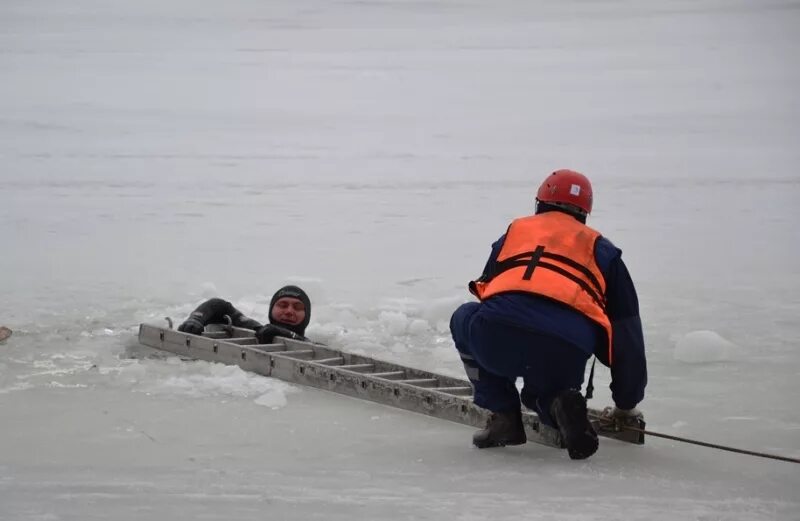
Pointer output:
x,y
242,341
453,390
421,382
329,360
294,352
270,348
389,374
356,367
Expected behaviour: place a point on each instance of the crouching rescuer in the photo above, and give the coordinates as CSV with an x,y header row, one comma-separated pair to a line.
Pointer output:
x,y
553,293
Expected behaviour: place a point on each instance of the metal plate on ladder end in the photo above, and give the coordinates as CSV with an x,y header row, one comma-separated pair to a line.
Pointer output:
x,y
630,436
534,428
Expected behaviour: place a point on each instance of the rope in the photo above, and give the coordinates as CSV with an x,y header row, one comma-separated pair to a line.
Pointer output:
x,y
701,443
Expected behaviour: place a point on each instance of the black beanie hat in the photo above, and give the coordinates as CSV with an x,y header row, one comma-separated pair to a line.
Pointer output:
x,y
295,292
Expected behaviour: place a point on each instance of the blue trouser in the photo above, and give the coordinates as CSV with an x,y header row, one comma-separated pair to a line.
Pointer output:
x,y
495,354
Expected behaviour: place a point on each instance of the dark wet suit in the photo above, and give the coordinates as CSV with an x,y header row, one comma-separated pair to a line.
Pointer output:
x,y
213,311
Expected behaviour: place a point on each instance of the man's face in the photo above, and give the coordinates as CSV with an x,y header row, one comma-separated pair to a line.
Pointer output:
x,y
289,310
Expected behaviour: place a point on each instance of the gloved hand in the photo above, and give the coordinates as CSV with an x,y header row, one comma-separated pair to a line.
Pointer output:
x,y
622,416
266,334
192,326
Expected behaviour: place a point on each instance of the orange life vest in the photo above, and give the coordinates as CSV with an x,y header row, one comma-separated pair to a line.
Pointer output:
x,y
552,255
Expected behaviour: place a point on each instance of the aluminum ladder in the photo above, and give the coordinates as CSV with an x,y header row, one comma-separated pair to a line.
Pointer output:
x,y
319,366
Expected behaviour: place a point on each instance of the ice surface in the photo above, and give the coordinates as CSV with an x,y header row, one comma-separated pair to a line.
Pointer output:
x,y
698,347
156,153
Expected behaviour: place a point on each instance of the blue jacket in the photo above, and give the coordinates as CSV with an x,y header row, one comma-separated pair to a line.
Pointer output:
x,y
629,368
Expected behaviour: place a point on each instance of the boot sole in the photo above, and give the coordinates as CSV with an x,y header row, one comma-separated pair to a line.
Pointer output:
x,y
573,423
500,443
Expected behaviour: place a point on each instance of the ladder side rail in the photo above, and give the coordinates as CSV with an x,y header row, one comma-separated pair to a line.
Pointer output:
x,y
458,409
366,387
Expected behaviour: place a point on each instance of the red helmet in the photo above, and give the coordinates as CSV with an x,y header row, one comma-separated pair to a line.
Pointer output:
x,y
567,187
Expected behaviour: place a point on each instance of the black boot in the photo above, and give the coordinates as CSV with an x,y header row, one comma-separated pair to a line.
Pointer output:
x,y
569,411
503,428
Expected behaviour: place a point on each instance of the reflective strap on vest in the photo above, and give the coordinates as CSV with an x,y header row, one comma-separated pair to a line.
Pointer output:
x,y
531,260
